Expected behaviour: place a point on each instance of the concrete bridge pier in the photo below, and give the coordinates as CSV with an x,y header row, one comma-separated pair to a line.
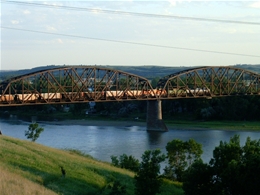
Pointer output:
x,y
154,116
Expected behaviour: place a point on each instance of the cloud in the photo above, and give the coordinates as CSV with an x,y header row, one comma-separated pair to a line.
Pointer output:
x,y
173,2
54,4
96,11
15,22
255,4
60,41
51,28
26,12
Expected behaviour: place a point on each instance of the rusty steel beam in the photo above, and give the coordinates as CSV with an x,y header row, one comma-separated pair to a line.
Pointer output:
x,y
72,84
208,82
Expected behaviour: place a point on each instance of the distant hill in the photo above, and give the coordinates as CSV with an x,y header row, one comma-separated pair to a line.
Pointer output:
x,y
12,73
253,68
147,71
150,71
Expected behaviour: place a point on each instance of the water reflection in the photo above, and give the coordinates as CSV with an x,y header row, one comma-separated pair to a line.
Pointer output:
x,y
154,138
103,141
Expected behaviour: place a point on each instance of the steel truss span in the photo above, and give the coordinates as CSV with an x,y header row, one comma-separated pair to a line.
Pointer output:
x,y
209,82
74,84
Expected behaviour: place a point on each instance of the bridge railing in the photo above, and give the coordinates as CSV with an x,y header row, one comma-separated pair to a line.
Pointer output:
x,y
75,84
90,83
209,82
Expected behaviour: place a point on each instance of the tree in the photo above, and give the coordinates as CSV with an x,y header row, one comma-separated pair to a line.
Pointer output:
x,y
126,162
115,161
234,169
154,81
147,179
224,163
181,155
197,179
33,131
117,188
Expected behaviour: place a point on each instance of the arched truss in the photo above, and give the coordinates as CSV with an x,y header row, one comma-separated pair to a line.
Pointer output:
x,y
209,82
74,84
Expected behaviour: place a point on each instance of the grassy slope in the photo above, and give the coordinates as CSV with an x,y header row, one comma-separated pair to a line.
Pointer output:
x,y
12,183
30,168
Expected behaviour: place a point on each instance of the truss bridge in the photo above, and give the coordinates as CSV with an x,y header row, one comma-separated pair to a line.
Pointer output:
x,y
78,84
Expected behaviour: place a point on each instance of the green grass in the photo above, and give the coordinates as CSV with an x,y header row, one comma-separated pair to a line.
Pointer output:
x,y
214,125
37,169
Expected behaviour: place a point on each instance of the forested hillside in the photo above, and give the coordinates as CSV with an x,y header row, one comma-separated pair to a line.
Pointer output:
x,y
147,71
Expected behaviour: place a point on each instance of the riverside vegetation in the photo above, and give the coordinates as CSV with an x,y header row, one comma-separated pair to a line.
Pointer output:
x,y
30,168
230,113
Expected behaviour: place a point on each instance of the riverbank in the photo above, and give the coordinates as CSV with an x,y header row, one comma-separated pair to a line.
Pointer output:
x,y
215,125
86,122
178,124
30,168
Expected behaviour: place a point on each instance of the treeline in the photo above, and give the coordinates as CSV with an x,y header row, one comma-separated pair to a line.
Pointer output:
x,y
147,71
233,169
225,108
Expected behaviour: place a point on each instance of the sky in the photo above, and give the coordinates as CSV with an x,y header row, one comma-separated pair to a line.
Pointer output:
x,y
129,32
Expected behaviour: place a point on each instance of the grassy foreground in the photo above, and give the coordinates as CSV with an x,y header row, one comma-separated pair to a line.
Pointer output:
x,y
29,168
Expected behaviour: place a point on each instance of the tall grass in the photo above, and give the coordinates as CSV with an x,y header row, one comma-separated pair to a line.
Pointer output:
x,y
28,166
11,184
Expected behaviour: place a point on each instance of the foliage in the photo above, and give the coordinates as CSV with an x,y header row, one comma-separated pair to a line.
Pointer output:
x,y
117,188
77,109
126,162
147,179
155,81
234,169
33,131
194,112
197,179
115,161
181,155
225,108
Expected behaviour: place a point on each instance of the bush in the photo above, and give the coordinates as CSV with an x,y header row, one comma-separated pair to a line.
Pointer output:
x,y
147,178
126,162
33,131
181,156
234,169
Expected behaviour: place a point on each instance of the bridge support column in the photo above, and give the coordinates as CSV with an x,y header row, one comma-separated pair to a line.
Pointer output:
x,y
154,116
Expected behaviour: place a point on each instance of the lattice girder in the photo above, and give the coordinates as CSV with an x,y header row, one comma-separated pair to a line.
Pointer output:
x,y
71,84
209,82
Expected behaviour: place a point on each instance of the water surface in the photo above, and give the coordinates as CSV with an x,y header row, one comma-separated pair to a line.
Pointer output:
x,y
103,141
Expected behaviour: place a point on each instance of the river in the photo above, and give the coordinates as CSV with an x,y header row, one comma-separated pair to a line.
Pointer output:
x,y
103,141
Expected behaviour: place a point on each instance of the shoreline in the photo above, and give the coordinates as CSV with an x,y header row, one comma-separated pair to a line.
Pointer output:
x,y
178,126
85,122
250,126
